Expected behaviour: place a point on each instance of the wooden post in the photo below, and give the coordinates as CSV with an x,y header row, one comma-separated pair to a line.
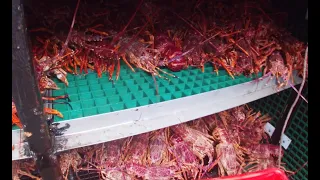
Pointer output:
x,y
27,98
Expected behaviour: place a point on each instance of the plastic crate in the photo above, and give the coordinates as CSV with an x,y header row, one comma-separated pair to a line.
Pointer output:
x,y
268,174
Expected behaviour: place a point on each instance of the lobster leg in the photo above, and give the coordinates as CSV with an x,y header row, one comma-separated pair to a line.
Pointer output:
x,y
41,30
241,48
67,68
53,98
118,69
221,170
53,111
214,62
97,32
213,164
227,69
230,34
111,70
123,30
133,38
28,175
86,61
75,67
97,67
81,64
165,72
16,120
123,57
45,47
96,26
266,46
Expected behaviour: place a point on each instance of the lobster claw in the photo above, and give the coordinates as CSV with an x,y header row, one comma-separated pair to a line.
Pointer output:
x,y
58,131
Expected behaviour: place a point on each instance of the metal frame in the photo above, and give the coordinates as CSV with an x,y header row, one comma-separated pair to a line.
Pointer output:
x,y
26,95
120,124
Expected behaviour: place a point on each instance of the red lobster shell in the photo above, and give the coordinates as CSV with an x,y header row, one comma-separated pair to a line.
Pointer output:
x,y
172,55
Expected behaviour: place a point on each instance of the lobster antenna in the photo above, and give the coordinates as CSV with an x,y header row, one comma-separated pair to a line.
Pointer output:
x,y
298,92
190,50
123,30
70,31
135,36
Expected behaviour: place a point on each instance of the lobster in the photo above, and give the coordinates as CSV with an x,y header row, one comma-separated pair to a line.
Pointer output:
x,y
294,52
158,147
199,125
23,169
202,145
211,122
197,57
186,160
140,55
133,154
261,151
110,154
136,160
276,67
115,174
170,54
108,158
263,156
70,159
153,172
253,133
229,160
49,63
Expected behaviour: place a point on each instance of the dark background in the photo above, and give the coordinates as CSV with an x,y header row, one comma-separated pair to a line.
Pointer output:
x,y
296,9
287,13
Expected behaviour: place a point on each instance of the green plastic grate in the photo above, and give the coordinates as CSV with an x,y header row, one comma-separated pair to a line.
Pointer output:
x,y
273,105
91,95
297,130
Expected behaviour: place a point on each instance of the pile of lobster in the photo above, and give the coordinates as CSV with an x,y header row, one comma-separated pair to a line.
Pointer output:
x,y
240,38
227,143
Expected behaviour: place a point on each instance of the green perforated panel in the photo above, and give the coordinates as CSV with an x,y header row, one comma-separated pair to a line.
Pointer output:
x,y
91,95
297,153
273,105
297,130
